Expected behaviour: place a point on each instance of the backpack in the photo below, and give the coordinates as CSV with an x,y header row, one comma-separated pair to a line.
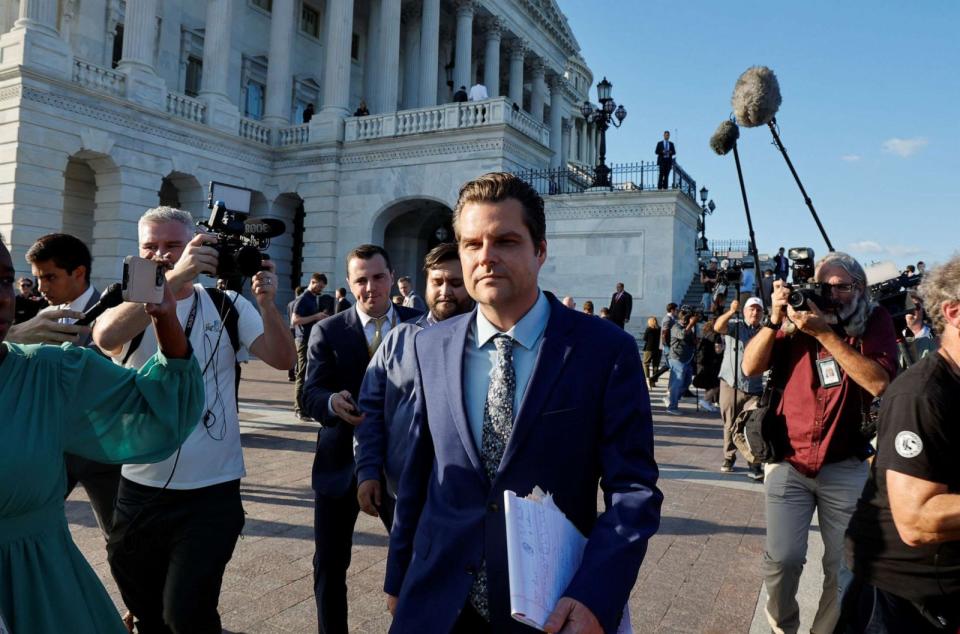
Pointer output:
x,y
228,316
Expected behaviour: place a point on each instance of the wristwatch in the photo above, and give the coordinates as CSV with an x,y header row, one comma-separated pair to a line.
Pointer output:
x,y
767,323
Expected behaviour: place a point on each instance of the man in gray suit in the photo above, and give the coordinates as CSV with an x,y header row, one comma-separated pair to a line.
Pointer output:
x,y
61,263
387,395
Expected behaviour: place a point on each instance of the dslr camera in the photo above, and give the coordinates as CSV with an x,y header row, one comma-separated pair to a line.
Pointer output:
x,y
803,288
730,275
241,241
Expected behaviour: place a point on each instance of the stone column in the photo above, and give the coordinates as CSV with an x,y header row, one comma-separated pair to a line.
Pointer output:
x,y
565,142
34,41
444,91
411,56
464,50
429,52
222,113
9,13
517,52
389,55
328,123
372,59
283,30
538,90
139,42
491,57
557,107
69,15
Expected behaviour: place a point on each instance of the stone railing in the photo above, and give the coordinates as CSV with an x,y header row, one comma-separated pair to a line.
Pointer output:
x,y
185,107
452,116
293,135
254,131
98,78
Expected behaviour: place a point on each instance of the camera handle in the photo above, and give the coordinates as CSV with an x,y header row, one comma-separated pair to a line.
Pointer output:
x,y
753,238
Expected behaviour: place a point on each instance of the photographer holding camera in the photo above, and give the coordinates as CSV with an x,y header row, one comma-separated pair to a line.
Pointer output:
x,y
830,361
683,346
177,521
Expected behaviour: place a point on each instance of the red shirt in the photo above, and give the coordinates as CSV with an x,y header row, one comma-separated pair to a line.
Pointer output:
x,y
823,423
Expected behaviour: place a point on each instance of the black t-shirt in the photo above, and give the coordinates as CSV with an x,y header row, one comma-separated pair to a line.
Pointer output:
x,y
651,339
918,436
25,308
709,280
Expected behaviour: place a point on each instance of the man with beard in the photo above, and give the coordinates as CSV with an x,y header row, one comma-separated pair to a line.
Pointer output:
x,y
830,361
387,395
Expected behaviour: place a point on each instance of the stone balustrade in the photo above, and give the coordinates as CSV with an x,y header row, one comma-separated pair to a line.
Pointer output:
x,y
98,78
293,135
254,131
185,107
453,116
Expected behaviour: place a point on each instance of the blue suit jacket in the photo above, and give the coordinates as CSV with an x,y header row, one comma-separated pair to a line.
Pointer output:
x,y
337,358
585,417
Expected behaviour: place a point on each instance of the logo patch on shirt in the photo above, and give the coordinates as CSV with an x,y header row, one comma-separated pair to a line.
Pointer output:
x,y
908,444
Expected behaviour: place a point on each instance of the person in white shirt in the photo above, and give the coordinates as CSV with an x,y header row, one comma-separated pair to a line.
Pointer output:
x,y
478,92
177,521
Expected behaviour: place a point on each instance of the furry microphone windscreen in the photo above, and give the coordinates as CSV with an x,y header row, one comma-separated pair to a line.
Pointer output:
x,y
725,137
756,97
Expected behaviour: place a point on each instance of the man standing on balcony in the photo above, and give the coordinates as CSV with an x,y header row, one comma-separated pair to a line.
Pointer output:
x,y
478,92
665,153
460,95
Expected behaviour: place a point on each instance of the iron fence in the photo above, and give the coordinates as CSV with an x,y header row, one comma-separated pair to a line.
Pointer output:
x,y
640,176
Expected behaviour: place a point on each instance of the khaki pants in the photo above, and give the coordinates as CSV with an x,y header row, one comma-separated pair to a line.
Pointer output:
x,y
728,415
791,499
301,376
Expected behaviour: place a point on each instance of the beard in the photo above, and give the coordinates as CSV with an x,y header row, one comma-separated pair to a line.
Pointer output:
x,y
447,307
853,317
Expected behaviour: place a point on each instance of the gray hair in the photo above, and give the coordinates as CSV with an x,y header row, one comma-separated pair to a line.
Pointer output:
x,y
940,286
162,214
856,322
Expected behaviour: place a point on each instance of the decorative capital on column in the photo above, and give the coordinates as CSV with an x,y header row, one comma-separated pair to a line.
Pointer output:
x,y
493,28
410,13
466,8
518,48
567,125
538,67
557,82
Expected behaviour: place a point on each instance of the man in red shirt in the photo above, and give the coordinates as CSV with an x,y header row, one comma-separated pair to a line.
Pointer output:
x,y
831,360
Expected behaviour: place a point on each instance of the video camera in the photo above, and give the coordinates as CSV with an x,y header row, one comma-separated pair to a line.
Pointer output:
x,y
732,275
802,289
241,240
686,311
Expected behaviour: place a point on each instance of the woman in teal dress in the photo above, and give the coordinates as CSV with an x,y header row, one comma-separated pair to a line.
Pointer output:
x,y
55,400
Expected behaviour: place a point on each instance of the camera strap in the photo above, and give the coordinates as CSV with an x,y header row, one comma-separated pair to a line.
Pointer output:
x,y
138,339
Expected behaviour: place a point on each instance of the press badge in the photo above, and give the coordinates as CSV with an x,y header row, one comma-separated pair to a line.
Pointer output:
x,y
829,372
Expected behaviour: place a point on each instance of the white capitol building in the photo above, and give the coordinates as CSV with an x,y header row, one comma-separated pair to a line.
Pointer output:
x,y
109,107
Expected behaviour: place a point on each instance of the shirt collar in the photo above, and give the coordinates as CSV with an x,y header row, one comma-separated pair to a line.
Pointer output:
x,y
526,332
80,302
366,319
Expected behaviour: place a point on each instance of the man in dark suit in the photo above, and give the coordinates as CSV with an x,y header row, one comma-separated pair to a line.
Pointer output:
x,y
621,305
665,153
781,266
342,302
514,395
338,352
61,263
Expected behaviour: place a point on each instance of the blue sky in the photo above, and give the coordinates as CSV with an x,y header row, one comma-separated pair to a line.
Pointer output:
x,y
870,114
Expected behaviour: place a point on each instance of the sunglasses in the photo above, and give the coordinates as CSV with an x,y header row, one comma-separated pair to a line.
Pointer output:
x,y
26,285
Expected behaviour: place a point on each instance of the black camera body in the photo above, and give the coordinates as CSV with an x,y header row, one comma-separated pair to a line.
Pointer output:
x,y
732,275
819,294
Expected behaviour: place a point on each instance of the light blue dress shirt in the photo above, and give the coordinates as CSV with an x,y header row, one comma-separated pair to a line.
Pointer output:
x,y
480,357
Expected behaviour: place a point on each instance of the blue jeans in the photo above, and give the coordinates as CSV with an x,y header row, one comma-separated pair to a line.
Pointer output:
x,y
681,374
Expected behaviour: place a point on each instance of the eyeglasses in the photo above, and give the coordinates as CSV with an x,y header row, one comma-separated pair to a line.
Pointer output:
x,y
26,284
843,289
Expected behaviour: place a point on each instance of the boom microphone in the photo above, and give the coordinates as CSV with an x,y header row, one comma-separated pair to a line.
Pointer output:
x,y
725,137
756,97
264,227
111,297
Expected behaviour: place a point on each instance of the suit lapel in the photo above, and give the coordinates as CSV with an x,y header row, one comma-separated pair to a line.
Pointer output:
x,y
555,349
355,326
453,349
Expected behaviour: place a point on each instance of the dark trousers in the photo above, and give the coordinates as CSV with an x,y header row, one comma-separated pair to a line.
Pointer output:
x,y
663,180
333,521
100,481
470,622
168,551
301,376
868,610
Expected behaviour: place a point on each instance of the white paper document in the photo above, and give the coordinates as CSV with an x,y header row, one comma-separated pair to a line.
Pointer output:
x,y
3,626
544,550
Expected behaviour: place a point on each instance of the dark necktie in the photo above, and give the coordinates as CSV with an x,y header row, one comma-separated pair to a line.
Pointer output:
x,y
497,427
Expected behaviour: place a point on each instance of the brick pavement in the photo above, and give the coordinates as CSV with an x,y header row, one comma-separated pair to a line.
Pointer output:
x,y
701,572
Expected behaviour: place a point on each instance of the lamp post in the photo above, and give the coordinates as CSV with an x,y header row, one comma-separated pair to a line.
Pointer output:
x,y
706,209
607,114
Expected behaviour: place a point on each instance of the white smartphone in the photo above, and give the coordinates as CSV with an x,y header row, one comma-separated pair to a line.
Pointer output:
x,y
143,280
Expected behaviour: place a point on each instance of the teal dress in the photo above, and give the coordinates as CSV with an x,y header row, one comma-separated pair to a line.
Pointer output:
x,y
55,400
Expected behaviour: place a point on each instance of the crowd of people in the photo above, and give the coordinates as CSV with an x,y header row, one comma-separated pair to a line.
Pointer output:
x,y
429,408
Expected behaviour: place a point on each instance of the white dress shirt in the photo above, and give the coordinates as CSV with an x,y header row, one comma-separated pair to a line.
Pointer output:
x,y
77,304
478,92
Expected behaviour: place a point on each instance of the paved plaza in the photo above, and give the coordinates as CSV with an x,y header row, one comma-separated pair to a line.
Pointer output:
x,y
701,572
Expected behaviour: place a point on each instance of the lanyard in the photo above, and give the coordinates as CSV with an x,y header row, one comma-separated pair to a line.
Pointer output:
x,y
193,314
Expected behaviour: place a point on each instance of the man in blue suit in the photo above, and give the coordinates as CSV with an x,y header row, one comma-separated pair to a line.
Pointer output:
x,y
337,355
518,393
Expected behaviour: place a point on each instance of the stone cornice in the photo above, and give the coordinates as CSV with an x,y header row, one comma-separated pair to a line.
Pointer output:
x,y
563,212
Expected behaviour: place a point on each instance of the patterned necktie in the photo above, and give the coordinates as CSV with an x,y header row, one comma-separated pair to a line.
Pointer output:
x,y
497,426
377,334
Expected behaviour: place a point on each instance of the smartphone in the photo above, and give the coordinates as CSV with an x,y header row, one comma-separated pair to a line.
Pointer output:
x,y
143,280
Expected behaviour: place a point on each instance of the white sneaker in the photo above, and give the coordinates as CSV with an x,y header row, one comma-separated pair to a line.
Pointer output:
x,y
666,401
710,407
